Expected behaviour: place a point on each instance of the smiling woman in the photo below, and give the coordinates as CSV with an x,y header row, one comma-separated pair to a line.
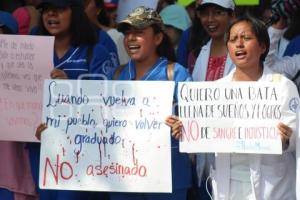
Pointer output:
x,y
213,61
151,52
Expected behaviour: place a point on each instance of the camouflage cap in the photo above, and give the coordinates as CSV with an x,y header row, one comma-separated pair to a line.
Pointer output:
x,y
139,18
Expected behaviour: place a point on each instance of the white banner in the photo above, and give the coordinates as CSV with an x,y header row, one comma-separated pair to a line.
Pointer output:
x,y
106,136
232,117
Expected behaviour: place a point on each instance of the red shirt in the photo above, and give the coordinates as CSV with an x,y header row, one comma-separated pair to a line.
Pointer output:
x,y
215,69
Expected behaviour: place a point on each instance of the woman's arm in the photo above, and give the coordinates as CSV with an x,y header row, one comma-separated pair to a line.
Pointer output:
x,y
288,127
289,66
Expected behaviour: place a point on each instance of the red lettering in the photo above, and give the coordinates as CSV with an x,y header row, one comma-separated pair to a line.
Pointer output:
x,y
62,170
57,170
192,131
55,174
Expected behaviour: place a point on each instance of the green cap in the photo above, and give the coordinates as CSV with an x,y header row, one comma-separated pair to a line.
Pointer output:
x,y
140,18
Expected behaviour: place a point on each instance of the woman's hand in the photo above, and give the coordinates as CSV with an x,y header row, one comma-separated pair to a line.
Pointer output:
x,y
176,126
285,134
58,74
39,130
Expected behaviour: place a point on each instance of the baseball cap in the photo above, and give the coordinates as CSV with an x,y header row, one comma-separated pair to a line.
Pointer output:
x,y
176,16
6,19
60,3
140,17
228,4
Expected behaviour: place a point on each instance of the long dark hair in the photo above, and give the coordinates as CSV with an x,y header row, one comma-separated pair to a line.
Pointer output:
x,y
259,29
83,32
165,48
197,37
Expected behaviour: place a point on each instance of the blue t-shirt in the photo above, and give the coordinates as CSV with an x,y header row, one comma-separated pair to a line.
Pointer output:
x,y
106,41
293,47
181,166
76,65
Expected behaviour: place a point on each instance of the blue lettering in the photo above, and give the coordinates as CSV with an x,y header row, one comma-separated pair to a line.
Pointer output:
x,y
114,123
53,121
146,124
82,120
63,98
95,139
122,101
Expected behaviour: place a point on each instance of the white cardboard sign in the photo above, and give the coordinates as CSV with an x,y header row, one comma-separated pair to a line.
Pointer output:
x,y
25,61
106,136
236,117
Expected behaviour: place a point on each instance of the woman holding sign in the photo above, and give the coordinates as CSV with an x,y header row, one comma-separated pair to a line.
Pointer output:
x,y
77,55
76,48
16,181
152,58
256,176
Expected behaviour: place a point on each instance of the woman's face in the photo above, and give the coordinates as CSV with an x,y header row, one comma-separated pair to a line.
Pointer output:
x,y
243,46
141,44
57,21
215,21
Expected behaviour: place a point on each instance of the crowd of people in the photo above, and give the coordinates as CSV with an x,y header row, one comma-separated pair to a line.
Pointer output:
x,y
202,40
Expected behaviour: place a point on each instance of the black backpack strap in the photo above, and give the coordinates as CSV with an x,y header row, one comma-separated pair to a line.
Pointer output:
x,y
117,72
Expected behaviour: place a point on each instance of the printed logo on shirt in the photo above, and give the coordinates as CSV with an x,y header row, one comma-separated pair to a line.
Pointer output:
x,y
76,61
293,104
107,67
114,59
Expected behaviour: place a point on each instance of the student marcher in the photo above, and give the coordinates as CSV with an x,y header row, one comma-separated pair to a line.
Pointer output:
x,y
77,55
151,52
255,176
213,61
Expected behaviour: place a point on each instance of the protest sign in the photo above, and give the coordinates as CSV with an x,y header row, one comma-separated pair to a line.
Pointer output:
x,y
106,136
25,62
232,117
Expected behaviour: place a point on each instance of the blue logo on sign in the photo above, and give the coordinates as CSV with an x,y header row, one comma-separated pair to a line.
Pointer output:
x,y
293,104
